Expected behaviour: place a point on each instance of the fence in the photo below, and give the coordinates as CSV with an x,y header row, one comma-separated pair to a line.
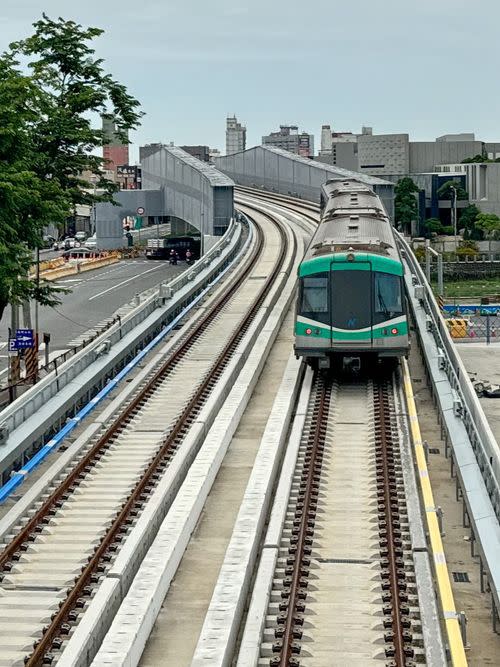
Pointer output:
x,y
473,324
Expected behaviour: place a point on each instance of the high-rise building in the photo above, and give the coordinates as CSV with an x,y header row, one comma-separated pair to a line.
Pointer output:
x,y
326,139
115,152
289,139
236,136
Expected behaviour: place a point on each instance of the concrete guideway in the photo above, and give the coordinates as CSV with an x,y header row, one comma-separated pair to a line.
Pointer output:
x,y
146,597
56,396
223,321
469,442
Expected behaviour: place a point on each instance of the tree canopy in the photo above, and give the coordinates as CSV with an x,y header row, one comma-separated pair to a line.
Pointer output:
x,y
405,203
48,140
446,192
479,159
489,223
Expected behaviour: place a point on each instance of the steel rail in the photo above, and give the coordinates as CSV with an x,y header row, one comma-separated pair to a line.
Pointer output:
x,y
276,196
306,508
385,442
121,421
138,495
132,506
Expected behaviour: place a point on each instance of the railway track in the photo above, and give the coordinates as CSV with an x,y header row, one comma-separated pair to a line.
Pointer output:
x,y
344,588
59,554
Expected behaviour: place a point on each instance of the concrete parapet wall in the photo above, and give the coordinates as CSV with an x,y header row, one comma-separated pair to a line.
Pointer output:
x,y
67,269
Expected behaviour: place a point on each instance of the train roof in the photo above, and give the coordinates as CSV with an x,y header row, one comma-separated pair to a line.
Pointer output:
x,y
348,195
353,219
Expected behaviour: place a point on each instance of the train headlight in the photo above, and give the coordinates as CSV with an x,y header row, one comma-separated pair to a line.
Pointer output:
x,y
309,331
350,257
394,331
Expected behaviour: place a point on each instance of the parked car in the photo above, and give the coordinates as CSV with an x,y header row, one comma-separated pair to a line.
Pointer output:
x,y
91,242
67,244
80,236
48,241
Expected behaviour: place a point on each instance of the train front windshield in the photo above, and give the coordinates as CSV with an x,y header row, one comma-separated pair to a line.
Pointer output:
x,y
353,300
350,299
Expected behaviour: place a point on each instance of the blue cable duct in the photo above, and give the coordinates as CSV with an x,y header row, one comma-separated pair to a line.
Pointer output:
x,y
18,477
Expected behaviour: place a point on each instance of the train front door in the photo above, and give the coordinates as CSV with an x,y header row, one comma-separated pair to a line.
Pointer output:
x,y
351,305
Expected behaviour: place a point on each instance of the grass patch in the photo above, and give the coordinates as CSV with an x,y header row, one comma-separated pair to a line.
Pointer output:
x,y
470,288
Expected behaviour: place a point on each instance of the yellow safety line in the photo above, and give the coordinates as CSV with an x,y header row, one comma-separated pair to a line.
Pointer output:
x,y
445,593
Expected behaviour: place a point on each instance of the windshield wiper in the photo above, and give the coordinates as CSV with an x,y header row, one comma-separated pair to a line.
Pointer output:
x,y
382,304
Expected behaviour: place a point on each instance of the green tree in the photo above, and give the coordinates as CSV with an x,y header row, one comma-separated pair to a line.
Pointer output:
x,y
489,223
445,191
479,159
467,249
405,203
467,222
433,225
476,159
27,202
65,90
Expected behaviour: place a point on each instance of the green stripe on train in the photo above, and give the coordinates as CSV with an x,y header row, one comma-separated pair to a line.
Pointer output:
x,y
338,262
325,332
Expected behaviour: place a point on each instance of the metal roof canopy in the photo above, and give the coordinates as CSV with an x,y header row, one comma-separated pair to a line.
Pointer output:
x,y
213,175
337,172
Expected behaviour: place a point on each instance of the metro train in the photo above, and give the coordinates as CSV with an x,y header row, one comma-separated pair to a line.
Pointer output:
x,y
350,304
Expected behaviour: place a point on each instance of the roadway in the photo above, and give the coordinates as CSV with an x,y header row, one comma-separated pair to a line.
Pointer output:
x,y
94,296
151,232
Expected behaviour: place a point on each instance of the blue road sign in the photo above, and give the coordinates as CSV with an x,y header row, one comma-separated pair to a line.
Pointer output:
x,y
24,339
12,345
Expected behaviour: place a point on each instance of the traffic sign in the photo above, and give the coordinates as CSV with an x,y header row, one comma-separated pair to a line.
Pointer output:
x,y
141,210
24,339
13,345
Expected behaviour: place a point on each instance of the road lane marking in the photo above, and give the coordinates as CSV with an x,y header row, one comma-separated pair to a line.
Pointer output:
x,y
124,282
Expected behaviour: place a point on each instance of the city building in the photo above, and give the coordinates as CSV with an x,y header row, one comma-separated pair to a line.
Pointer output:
x,y
326,140
236,136
199,152
482,182
129,176
213,154
380,154
289,139
115,152
386,154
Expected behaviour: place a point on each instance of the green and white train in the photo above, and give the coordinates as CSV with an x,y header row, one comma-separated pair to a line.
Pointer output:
x,y
351,303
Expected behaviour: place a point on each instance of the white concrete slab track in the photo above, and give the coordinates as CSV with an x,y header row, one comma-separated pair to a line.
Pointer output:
x,y
64,536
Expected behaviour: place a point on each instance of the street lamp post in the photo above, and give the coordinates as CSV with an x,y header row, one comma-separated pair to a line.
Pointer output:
x,y
454,212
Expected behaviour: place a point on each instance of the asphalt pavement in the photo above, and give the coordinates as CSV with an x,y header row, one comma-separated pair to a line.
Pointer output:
x,y
94,296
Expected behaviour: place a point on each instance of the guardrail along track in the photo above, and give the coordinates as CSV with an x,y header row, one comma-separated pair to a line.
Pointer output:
x,y
51,567
344,590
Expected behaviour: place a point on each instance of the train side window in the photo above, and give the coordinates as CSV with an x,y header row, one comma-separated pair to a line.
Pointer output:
x,y
388,295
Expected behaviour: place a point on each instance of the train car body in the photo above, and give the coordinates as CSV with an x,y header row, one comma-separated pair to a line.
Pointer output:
x,y
350,299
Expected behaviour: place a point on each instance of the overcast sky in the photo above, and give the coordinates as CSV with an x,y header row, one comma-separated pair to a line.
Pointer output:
x,y
426,67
